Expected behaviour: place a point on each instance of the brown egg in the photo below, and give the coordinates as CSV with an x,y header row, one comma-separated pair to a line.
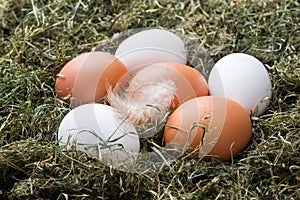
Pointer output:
x,y
86,77
217,126
188,81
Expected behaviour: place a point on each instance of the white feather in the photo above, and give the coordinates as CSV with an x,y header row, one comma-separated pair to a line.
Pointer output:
x,y
144,104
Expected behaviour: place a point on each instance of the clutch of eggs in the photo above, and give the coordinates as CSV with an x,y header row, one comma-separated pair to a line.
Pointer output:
x,y
144,81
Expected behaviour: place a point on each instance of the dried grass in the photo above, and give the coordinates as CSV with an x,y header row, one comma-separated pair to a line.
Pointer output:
x,y
38,37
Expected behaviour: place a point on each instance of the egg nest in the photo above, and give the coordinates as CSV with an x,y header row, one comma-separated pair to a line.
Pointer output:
x,y
38,38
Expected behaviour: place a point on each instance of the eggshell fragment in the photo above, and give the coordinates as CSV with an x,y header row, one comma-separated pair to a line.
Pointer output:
x,y
96,130
243,78
86,77
217,126
151,46
188,81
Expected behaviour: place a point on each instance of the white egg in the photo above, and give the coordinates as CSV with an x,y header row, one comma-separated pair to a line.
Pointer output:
x,y
243,78
151,46
96,130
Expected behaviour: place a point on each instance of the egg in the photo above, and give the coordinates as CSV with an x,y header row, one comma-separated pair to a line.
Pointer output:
x,y
243,78
151,46
96,130
189,83
209,125
86,77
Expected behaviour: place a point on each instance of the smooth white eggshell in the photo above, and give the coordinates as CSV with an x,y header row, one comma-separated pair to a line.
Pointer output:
x,y
243,78
151,46
90,126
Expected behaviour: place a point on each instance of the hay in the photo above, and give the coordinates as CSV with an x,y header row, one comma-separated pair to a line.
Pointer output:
x,y
38,37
